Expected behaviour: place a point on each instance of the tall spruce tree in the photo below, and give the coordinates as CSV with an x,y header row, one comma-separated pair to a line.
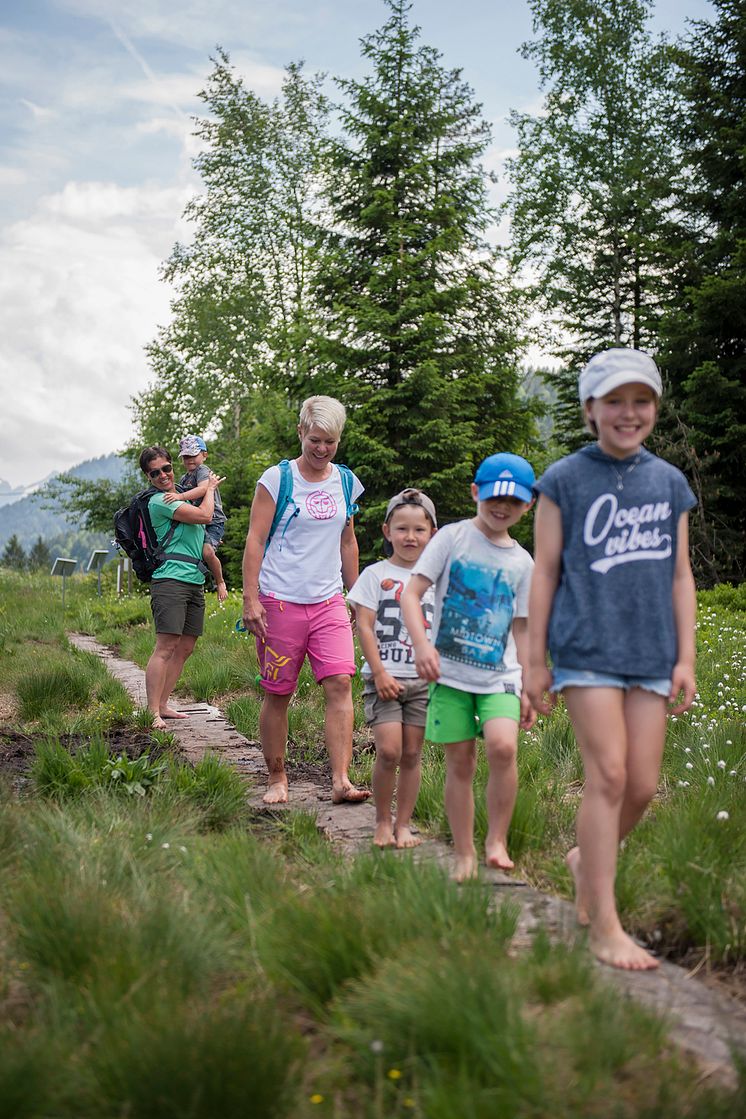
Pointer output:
x,y
703,349
419,336
593,183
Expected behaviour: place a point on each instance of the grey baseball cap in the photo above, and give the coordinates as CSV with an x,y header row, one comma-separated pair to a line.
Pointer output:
x,y
613,368
412,497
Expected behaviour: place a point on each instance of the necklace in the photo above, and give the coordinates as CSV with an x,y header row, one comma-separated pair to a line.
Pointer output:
x,y
622,474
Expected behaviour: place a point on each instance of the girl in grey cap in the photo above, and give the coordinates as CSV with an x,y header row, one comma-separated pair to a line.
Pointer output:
x,y
613,599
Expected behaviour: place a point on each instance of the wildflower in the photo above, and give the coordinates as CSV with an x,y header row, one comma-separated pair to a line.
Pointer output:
x,y
377,1045
687,750
683,784
729,742
723,815
710,780
721,764
316,1098
165,846
149,837
689,765
394,1074
731,773
183,850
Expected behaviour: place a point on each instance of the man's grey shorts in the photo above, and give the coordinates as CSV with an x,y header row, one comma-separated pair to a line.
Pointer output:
x,y
178,607
410,708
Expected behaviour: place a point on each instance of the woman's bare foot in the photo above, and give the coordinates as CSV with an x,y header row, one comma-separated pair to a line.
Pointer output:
x,y
383,836
348,794
405,836
158,723
619,950
464,868
169,713
277,792
572,859
496,855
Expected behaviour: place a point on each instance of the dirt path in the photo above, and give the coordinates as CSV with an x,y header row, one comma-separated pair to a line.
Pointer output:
x,y
705,1023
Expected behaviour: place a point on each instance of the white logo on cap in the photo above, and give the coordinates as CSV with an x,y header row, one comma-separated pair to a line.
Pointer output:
x,y
503,489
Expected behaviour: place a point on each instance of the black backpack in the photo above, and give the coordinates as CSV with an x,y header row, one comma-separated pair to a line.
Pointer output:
x,y
135,537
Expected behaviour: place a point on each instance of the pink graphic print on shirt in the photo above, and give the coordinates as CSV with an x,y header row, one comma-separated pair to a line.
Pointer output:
x,y
321,505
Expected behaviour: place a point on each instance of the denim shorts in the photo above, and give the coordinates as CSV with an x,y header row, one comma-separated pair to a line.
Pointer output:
x,y
580,678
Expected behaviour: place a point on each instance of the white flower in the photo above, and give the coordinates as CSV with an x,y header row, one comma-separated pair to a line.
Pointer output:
x,y
183,849
729,742
723,816
165,846
683,784
710,780
731,773
148,837
377,1045
721,764
689,765
687,750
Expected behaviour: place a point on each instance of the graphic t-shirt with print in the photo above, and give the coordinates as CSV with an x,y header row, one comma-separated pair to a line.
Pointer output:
x,y
479,588
379,588
613,609
303,562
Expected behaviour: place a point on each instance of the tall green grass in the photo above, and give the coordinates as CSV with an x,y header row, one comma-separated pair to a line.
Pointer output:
x,y
154,969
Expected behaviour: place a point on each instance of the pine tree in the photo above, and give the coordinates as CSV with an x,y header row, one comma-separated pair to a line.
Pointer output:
x,y
419,335
14,555
39,557
594,183
703,348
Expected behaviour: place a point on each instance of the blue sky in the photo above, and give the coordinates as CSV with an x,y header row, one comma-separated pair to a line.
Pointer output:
x,y
96,99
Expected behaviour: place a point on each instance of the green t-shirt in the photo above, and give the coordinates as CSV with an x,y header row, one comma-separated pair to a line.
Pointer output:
x,y
187,539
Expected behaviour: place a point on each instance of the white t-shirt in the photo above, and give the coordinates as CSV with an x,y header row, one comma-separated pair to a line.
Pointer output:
x,y
479,589
304,563
380,588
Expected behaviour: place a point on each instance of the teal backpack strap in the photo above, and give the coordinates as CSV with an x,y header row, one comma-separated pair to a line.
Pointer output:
x,y
284,498
348,481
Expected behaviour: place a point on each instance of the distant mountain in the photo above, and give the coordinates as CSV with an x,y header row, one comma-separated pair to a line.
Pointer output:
x,y
25,517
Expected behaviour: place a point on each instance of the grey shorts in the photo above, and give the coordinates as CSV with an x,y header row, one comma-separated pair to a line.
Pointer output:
x,y
178,607
410,708
214,533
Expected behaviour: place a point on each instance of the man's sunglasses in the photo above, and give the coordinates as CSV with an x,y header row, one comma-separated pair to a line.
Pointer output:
x,y
160,470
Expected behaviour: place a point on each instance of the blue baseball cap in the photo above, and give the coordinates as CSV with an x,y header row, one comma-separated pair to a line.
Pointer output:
x,y
192,445
505,475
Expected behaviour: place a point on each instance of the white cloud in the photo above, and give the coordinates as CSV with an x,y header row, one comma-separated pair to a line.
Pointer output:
x,y
79,299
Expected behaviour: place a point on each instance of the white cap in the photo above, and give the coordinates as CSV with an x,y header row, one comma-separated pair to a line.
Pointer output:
x,y
613,368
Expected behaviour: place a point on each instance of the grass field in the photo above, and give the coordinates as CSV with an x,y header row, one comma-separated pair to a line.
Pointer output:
x,y
163,953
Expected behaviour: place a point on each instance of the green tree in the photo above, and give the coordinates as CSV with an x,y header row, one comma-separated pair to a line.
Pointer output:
x,y
703,348
593,183
419,337
241,315
39,557
14,555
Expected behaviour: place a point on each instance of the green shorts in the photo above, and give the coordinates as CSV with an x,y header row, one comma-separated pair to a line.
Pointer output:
x,y
456,716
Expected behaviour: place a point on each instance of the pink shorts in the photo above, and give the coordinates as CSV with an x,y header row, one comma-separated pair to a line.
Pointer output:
x,y
321,631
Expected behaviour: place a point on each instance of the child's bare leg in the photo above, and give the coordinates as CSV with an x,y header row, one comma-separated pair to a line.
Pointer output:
x,y
273,734
410,771
388,740
645,718
216,570
501,748
461,765
598,719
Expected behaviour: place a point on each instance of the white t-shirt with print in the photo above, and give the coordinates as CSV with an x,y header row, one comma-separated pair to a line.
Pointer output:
x,y
304,564
380,588
479,588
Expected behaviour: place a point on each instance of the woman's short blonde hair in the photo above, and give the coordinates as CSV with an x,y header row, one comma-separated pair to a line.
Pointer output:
x,y
324,412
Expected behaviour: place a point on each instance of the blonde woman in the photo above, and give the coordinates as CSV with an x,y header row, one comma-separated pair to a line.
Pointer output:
x,y
292,592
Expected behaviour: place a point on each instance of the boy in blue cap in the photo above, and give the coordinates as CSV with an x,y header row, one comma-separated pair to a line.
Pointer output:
x,y
193,487
474,663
